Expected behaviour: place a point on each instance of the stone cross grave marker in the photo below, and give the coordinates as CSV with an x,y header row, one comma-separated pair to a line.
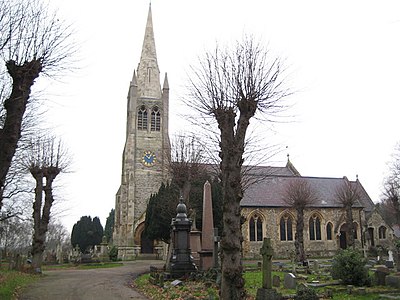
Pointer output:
x,y
267,252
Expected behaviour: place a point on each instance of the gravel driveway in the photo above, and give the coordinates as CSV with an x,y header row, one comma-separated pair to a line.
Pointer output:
x,y
96,284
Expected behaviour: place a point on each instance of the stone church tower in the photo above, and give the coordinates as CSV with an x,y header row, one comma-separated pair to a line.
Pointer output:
x,y
146,155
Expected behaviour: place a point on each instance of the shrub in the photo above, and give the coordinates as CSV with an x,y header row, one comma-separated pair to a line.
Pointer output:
x,y
113,254
348,265
305,293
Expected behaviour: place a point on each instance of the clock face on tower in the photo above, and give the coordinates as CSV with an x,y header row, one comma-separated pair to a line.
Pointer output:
x,y
148,159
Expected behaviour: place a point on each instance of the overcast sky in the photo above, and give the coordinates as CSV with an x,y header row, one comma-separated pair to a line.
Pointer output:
x,y
344,63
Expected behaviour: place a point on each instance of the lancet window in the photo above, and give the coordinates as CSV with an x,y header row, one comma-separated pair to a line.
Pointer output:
x,y
382,232
255,227
315,227
285,226
142,118
155,119
329,227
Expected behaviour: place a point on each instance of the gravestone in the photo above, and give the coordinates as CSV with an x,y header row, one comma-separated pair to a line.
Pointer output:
x,y
316,266
389,264
289,281
276,281
380,274
267,292
181,260
217,239
207,231
390,252
393,281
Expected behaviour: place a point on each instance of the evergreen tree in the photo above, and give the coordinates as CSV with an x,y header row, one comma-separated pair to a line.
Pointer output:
x,y
160,211
87,233
109,228
162,207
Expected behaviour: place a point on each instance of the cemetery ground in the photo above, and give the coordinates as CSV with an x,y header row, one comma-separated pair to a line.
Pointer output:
x,y
124,281
320,281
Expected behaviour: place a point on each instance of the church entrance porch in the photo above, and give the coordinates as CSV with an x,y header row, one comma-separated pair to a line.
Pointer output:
x,y
343,240
146,245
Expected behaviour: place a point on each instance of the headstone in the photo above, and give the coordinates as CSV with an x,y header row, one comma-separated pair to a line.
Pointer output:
x,y
393,281
380,274
276,281
315,266
195,245
350,289
176,282
389,264
289,281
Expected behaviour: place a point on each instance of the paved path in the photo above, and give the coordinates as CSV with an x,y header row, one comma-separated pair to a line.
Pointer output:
x,y
96,284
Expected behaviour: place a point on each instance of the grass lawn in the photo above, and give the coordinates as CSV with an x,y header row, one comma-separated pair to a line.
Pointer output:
x,y
82,266
12,281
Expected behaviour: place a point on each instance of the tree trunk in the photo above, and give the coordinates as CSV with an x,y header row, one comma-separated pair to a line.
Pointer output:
x,y
37,243
232,283
41,220
23,79
350,226
299,236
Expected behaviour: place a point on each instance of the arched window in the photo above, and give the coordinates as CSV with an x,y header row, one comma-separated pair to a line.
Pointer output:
x,y
155,119
315,227
329,227
255,227
355,227
382,232
142,118
285,226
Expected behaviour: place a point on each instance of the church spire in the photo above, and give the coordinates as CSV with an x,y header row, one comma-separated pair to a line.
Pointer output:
x,y
148,72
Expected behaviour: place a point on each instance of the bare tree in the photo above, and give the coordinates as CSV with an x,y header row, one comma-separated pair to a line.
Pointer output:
x,y
299,195
348,195
187,162
33,41
15,236
45,161
228,88
391,188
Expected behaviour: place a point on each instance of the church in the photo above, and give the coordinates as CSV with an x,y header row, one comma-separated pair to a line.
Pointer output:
x,y
146,154
145,165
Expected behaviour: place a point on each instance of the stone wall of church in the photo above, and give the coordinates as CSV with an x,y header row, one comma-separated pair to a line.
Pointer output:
x,y
271,218
382,234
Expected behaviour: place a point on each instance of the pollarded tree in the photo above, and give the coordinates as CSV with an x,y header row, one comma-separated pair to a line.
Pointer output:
x,y
45,160
228,88
348,194
33,41
299,195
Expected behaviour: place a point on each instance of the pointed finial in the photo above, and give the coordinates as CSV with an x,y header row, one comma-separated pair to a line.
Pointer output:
x,y
134,78
287,149
166,84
